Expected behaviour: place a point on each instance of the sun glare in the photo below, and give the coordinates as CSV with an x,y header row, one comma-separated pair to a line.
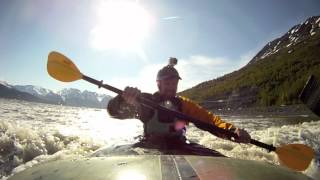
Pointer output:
x,y
121,25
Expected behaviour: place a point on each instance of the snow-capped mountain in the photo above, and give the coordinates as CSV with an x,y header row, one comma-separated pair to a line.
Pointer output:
x,y
7,91
70,93
71,96
75,97
275,76
40,92
34,90
4,83
296,35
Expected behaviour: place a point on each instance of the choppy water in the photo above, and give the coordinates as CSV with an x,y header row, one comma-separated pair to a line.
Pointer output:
x,y
32,133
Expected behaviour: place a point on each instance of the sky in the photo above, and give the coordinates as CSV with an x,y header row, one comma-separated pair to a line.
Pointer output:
x,y
125,43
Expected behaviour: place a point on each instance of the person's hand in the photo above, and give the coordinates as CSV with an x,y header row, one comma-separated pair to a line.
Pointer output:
x,y
243,136
130,95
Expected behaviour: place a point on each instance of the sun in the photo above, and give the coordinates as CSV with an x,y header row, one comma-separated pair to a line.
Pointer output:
x,y
120,25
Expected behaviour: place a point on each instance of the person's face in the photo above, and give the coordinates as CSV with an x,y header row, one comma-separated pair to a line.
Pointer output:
x,y
168,87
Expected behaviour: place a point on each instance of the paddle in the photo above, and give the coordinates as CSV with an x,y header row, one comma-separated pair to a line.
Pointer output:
x,y
294,156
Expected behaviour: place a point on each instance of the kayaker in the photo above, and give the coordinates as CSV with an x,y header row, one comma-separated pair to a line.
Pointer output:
x,y
160,129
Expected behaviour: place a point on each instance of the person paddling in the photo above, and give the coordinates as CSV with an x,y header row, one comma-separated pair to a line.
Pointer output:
x,y
161,130
295,156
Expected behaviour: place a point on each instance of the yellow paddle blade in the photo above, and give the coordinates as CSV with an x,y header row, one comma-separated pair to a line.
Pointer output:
x,y
62,68
295,156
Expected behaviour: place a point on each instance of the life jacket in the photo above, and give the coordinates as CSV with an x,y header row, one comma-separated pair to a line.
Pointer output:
x,y
163,124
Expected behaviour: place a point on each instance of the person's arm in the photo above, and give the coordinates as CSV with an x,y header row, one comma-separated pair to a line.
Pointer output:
x,y
192,109
120,109
126,106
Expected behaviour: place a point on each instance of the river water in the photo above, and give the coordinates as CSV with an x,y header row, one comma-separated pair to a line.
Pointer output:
x,y
32,133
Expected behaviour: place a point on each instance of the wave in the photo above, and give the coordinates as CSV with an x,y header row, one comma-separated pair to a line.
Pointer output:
x,y
22,147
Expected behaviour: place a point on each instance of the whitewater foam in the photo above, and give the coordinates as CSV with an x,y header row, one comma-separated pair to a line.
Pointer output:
x,y
32,133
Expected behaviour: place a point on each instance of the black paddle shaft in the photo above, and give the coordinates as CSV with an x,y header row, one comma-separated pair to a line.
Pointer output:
x,y
205,126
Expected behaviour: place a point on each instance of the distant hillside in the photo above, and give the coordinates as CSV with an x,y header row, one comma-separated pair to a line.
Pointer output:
x,y
10,93
74,97
42,93
69,97
275,76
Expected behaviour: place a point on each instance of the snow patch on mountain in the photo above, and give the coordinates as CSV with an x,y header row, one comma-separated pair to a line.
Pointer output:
x,y
297,34
75,97
4,83
71,96
70,93
34,90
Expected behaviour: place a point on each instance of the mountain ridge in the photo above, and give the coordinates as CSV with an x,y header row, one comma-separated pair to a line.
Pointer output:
x,y
67,96
275,76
